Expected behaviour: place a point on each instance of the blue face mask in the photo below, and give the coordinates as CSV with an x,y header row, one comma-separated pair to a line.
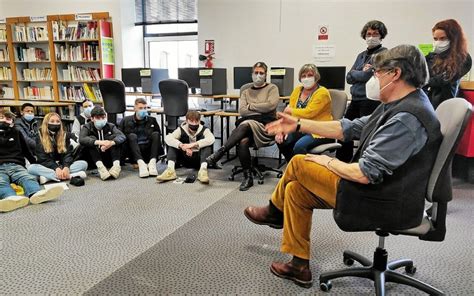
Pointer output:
x,y
141,114
29,117
87,111
100,123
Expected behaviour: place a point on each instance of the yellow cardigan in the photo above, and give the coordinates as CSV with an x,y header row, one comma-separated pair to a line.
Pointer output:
x,y
318,107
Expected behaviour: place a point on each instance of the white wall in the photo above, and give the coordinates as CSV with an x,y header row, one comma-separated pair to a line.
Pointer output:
x,y
122,13
247,31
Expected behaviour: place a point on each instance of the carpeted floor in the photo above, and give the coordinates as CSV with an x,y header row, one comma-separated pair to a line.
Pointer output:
x,y
133,236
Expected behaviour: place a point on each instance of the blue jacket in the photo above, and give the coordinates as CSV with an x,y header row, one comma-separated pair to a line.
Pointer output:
x,y
357,77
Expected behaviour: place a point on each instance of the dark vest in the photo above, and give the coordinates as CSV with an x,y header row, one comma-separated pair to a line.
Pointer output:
x,y
398,202
82,120
185,137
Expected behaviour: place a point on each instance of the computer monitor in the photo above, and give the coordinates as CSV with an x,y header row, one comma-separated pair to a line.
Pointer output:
x,y
191,76
333,77
131,77
242,76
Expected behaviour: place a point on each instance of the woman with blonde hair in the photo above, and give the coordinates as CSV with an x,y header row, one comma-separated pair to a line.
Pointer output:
x,y
54,153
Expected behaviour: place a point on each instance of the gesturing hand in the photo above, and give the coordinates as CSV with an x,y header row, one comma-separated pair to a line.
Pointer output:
x,y
286,125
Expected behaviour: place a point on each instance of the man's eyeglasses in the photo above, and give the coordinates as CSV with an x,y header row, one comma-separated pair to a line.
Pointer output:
x,y
258,73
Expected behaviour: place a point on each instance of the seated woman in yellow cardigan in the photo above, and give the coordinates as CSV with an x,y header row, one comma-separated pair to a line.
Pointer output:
x,y
309,101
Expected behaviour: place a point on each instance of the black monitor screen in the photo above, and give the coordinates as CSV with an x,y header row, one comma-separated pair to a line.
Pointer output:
x,y
333,77
191,76
242,75
131,77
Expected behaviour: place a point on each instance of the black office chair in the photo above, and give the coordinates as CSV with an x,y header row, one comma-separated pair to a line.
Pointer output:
x,y
257,169
113,94
453,115
174,98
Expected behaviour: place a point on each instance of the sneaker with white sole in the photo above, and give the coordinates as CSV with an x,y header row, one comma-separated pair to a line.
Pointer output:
x,y
103,173
13,202
142,169
43,180
115,171
46,195
152,168
80,174
202,176
167,175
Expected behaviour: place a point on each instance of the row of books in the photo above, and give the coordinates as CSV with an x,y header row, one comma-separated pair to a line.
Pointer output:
x,y
32,54
6,91
38,93
30,34
4,57
80,52
5,73
74,31
37,74
74,73
80,93
3,35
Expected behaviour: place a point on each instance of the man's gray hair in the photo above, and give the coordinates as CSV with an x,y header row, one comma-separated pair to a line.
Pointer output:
x,y
409,60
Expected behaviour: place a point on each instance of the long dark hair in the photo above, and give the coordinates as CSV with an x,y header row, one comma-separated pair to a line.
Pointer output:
x,y
451,64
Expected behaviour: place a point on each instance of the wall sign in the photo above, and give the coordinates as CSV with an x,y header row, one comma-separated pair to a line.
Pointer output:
x,y
209,47
323,32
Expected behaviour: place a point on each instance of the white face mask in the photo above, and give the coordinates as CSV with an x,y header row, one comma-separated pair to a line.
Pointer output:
x,y
440,46
372,88
373,41
258,79
308,82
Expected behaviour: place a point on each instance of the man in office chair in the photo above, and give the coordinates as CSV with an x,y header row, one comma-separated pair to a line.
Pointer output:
x,y
385,184
143,138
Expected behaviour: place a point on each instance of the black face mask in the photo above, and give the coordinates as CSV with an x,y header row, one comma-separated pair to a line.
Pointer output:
x,y
4,126
54,128
193,127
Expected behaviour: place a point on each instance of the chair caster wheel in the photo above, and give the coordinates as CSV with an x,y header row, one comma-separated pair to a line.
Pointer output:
x,y
325,287
348,261
410,269
231,178
279,175
260,182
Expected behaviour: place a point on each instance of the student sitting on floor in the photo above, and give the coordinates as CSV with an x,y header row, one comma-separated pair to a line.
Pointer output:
x,y
13,150
83,118
54,153
143,138
28,125
102,140
190,145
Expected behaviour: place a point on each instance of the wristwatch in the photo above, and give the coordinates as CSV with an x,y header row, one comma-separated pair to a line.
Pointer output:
x,y
298,125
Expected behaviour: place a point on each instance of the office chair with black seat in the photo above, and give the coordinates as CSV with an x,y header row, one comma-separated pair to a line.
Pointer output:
x,y
113,95
453,116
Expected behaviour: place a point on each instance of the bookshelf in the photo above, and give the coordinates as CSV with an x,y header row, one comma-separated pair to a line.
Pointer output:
x,y
55,58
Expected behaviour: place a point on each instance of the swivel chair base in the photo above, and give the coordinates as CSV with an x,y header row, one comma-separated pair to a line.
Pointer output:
x,y
256,169
380,271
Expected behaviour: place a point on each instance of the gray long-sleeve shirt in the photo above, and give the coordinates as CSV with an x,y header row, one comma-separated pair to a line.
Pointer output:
x,y
392,144
254,101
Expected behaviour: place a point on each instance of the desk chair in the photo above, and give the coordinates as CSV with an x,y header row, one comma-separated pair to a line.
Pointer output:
x,y
174,98
338,108
257,169
453,115
113,94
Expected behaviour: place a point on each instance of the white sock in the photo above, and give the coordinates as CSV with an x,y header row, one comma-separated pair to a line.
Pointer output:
x,y
204,165
140,162
99,164
117,163
171,164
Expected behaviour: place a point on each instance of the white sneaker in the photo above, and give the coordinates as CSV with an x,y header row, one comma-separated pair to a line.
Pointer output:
x,y
46,195
203,176
80,174
152,167
13,202
167,175
103,173
43,180
115,171
142,169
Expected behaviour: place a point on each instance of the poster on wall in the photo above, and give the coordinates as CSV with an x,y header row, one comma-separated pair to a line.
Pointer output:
x,y
324,52
107,50
323,33
209,47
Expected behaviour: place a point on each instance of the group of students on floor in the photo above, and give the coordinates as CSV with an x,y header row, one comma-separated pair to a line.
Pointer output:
x,y
394,94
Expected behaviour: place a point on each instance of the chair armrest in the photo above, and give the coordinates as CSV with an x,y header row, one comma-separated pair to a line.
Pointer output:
x,y
325,147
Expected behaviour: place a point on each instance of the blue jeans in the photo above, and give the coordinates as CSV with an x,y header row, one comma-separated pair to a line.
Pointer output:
x,y
15,173
299,143
50,174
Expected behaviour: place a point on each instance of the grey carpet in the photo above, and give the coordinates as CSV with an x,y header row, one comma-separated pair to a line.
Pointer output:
x,y
220,252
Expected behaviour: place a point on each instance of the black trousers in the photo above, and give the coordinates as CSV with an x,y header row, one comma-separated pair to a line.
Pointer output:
x,y
108,157
355,110
145,151
193,161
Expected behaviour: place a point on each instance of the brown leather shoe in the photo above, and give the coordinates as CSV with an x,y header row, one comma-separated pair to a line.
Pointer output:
x,y
262,216
301,277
